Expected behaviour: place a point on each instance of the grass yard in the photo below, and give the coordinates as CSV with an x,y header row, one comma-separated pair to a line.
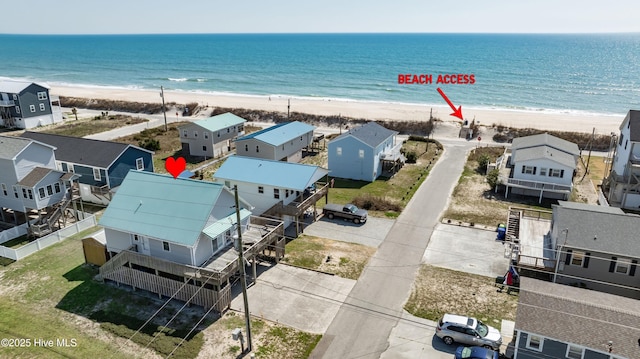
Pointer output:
x,y
391,194
346,260
89,126
596,168
437,291
474,201
52,295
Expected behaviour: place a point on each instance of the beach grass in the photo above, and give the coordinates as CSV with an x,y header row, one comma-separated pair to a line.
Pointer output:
x,y
90,126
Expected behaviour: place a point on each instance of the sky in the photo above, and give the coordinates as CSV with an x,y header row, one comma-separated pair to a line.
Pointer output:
x,y
327,16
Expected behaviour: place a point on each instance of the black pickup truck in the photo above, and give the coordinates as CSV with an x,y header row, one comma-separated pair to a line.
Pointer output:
x,y
348,211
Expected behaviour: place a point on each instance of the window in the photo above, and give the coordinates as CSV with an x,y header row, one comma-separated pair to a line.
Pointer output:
x,y
49,190
227,184
529,170
71,169
140,164
30,194
623,265
42,96
32,108
204,148
625,144
214,243
206,135
577,258
339,151
24,192
165,245
257,149
136,238
17,109
41,193
260,189
4,189
534,342
56,186
96,175
227,129
184,133
574,351
42,108
246,148
556,173
286,193
218,133
621,138
361,153
15,191
276,193
543,171
195,134
15,97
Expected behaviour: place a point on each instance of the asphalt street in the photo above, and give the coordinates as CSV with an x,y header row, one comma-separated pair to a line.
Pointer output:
x,y
362,326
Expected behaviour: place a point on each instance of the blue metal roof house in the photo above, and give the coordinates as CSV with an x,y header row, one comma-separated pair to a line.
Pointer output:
x,y
163,232
274,188
281,142
362,152
211,137
102,165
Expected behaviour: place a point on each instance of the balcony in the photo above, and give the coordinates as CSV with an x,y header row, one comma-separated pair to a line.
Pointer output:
x,y
392,154
7,103
536,185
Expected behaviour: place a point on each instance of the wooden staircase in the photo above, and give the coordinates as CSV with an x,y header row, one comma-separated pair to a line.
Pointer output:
x,y
45,225
513,224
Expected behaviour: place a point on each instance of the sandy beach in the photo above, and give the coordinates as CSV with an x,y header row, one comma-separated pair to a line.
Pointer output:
x,y
360,109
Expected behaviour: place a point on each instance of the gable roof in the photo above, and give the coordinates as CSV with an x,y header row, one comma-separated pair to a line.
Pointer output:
x,y
579,316
11,146
550,153
36,175
17,86
219,122
280,133
370,133
161,207
545,139
595,228
281,174
82,151
634,126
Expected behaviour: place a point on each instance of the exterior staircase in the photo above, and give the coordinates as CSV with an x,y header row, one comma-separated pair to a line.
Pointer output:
x,y
45,225
513,224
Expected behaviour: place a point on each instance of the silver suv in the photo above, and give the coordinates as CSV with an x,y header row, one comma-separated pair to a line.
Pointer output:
x,y
466,330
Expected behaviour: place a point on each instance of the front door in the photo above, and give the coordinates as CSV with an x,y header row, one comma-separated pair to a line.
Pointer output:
x,y
142,244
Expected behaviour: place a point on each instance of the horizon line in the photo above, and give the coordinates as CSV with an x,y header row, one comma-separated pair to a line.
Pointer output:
x,y
325,33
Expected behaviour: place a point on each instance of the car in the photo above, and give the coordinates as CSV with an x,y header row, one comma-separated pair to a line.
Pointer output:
x,y
476,353
467,330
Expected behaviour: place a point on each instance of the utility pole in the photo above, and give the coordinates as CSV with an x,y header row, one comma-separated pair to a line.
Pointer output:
x,y
288,107
243,278
164,109
593,133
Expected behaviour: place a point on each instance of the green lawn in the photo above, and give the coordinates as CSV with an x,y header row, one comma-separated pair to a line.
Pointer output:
x,y
84,127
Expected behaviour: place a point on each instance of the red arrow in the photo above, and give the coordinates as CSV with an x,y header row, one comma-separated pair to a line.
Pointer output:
x,y
456,112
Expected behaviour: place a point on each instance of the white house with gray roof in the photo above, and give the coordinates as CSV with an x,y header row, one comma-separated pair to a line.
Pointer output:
x,y
282,142
27,105
598,248
361,152
540,165
211,137
622,185
558,321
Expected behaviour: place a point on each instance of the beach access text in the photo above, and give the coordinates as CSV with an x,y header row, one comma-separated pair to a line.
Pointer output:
x,y
427,79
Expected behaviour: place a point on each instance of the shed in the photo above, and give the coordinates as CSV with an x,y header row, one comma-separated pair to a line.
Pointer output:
x,y
95,252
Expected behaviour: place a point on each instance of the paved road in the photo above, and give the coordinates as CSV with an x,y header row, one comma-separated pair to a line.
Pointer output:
x,y
362,326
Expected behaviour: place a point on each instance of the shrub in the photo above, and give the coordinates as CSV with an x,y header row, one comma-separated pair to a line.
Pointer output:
x,y
375,203
411,157
150,144
492,177
483,162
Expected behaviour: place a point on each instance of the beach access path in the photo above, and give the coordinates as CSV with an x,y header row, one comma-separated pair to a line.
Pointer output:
x,y
374,307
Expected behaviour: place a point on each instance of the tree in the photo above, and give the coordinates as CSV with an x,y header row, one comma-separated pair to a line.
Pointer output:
x,y
492,177
483,162
75,112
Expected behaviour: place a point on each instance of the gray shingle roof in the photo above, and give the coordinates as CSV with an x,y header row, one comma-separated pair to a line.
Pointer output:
x,y
36,175
545,139
533,153
634,128
79,150
615,233
11,146
371,133
580,316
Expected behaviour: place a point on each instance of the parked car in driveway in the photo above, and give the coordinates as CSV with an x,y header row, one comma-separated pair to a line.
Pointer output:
x,y
475,353
348,211
467,330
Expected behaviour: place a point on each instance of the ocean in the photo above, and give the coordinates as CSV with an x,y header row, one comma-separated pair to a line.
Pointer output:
x,y
581,74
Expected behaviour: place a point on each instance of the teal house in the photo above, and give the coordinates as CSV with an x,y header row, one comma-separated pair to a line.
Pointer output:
x,y
162,232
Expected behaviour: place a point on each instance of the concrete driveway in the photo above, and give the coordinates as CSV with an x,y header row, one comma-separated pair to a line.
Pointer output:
x,y
466,249
302,299
371,233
